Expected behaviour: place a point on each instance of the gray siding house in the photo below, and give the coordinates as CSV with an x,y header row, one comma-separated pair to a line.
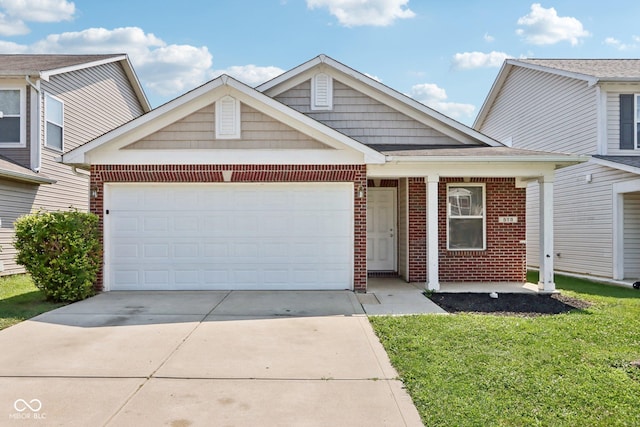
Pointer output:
x,y
50,104
589,107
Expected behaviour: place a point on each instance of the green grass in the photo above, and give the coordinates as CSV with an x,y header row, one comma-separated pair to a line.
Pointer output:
x,y
21,300
571,369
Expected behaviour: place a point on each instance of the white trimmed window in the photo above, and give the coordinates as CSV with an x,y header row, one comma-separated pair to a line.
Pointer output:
x,y
466,225
228,118
54,122
13,113
321,92
629,121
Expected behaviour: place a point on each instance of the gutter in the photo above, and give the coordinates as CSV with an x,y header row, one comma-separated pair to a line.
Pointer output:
x,y
26,178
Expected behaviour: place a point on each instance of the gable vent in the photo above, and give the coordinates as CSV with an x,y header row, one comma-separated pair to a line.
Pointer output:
x,y
228,118
322,92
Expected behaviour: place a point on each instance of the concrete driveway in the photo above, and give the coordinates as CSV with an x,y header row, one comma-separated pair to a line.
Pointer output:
x,y
201,358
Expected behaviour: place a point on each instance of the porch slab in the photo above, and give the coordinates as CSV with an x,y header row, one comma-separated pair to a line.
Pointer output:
x,y
393,296
488,287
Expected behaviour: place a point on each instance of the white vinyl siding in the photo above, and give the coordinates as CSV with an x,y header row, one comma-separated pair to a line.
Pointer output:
x,y
96,100
632,236
546,112
466,217
13,116
364,118
583,219
196,131
54,123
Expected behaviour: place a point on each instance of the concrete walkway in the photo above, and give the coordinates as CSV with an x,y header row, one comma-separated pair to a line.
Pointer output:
x,y
396,297
201,358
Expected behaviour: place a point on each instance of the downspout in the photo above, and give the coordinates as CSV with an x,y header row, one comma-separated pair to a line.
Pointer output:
x,y
36,148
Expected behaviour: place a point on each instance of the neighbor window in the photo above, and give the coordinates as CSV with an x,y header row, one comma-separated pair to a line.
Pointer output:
x,y
466,217
629,121
54,118
12,117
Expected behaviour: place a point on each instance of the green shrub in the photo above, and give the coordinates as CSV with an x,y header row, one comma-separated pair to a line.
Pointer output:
x,y
61,251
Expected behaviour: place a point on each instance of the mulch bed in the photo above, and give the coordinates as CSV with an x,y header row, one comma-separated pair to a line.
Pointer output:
x,y
508,304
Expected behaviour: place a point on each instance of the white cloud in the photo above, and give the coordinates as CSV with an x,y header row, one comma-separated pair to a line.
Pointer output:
x,y
489,38
251,75
39,10
12,27
544,26
611,41
470,60
436,97
164,69
353,13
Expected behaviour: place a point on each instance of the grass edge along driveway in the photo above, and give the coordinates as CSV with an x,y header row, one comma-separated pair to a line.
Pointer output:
x,y
561,370
21,300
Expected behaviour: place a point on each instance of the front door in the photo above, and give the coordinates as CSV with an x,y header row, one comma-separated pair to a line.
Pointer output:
x,y
381,229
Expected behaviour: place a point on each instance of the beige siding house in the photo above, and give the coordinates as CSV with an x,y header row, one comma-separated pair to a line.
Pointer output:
x,y
315,180
587,107
51,104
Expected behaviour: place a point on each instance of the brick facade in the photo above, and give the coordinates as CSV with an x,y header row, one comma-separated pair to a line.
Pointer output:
x,y
101,174
504,259
417,239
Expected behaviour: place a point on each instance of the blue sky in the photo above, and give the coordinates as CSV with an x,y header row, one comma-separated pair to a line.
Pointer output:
x,y
444,54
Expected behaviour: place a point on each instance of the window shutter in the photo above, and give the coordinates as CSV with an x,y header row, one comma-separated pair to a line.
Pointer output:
x,y
627,122
227,118
322,95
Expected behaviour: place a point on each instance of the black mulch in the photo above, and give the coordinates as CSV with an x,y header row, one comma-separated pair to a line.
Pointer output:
x,y
508,304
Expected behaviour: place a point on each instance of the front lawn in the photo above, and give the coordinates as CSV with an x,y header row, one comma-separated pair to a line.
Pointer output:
x,y
20,300
573,369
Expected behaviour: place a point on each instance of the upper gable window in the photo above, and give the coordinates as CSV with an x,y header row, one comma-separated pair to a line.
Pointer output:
x,y
13,117
321,92
629,121
228,118
54,119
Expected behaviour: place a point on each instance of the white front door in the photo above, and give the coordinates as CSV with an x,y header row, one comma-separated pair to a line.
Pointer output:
x,y
381,229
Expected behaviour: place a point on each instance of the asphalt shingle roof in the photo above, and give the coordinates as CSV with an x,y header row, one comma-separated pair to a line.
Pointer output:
x,y
633,161
602,69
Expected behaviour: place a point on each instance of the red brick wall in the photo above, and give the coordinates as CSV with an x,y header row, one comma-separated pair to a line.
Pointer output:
x,y
101,174
417,213
504,257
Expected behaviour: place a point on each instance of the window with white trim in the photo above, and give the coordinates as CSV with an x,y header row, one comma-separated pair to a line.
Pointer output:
x,y
466,225
13,117
228,118
54,122
321,92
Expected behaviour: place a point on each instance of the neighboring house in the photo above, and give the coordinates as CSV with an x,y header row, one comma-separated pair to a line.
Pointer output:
x,y
50,104
590,107
313,180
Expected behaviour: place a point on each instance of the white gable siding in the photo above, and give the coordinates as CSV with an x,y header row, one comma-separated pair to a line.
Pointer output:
x,y
583,219
542,111
613,119
197,131
363,118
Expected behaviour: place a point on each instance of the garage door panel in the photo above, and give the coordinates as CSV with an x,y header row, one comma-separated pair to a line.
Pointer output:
x,y
230,236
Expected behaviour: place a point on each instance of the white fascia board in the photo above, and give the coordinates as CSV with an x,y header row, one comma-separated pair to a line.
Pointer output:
x,y
615,165
374,89
591,80
26,177
227,157
492,95
46,74
455,169
135,83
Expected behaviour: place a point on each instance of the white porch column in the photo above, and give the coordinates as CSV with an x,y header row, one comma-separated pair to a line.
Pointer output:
x,y
546,282
432,233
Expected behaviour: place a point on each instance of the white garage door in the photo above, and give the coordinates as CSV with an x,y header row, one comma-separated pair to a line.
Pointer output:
x,y
228,236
